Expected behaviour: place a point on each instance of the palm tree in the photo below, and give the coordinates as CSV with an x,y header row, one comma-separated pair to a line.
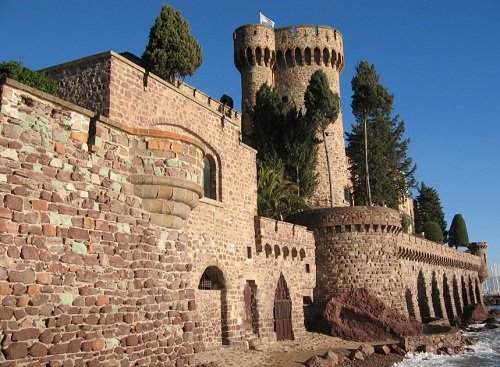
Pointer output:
x,y
276,197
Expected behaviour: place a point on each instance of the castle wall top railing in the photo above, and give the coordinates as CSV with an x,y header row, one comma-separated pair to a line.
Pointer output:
x,y
228,113
421,250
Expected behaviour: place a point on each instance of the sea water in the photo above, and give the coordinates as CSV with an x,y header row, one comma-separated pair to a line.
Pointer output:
x,y
486,353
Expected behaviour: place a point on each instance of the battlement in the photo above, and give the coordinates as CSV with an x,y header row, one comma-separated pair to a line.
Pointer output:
x,y
110,74
421,250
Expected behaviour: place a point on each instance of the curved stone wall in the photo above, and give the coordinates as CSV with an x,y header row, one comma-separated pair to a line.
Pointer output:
x,y
364,247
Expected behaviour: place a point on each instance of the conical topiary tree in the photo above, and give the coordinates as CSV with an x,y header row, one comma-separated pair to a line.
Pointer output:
x,y
432,232
458,236
172,52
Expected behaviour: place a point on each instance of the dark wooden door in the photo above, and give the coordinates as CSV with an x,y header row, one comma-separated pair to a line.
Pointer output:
x,y
282,311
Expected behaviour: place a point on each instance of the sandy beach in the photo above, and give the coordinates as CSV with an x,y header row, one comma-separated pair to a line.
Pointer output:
x,y
293,353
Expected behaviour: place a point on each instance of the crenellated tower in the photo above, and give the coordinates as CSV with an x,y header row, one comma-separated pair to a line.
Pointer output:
x,y
286,58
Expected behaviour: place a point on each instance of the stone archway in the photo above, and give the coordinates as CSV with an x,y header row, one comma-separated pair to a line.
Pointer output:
x,y
211,297
423,299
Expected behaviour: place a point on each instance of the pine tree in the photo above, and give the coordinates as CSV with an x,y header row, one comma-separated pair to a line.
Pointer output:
x,y
429,209
172,52
381,171
322,109
458,236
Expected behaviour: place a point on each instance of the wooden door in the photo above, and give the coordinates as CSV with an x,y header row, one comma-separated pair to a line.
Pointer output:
x,y
282,311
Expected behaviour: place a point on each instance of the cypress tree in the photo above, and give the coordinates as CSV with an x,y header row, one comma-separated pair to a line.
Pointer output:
x,y
172,52
458,236
433,232
381,171
322,109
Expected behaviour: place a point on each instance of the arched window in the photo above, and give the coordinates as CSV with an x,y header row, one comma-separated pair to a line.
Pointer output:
x,y
209,177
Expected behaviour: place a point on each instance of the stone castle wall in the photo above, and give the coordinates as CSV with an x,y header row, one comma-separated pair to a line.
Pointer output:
x,y
286,58
364,247
86,277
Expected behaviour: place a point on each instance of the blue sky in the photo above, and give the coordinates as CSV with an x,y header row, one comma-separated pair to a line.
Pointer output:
x,y
440,59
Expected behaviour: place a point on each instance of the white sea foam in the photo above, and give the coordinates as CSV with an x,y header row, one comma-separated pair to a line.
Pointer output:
x,y
486,353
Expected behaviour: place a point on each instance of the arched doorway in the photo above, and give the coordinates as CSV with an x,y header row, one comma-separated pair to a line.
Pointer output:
x,y
282,311
212,304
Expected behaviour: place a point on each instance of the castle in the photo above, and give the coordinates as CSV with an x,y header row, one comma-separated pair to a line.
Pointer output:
x,y
128,224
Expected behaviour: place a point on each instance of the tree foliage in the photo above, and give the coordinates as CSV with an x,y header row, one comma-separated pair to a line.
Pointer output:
x,y
391,171
172,52
38,80
322,109
429,209
276,196
285,141
458,236
432,232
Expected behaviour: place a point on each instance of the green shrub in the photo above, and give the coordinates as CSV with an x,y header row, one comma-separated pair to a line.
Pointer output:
x,y
38,80
432,232
458,235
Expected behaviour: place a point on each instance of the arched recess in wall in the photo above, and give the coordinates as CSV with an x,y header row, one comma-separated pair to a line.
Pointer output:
x,y
317,56
456,296
409,303
436,297
326,56
289,59
209,177
258,56
478,292
212,294
448,298
298,56
423,299
472,293
307,56
465,296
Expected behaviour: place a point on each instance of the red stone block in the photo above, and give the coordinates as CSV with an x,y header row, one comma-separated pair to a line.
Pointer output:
x,y
25,334
78,233
39,205
5,289
102,300
38,350
13,202
3,225
98,345
60,148
17,351
83,137
33,289
29,253
49,230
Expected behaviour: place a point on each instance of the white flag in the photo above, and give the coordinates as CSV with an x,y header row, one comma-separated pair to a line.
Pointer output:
x,y
266,20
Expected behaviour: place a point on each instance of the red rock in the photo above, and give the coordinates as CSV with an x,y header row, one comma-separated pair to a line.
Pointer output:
x,y
14,202
38,350
360,315
474,313
17,351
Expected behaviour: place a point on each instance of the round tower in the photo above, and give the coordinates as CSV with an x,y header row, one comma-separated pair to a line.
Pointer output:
x,y
254,56
479,249
293,55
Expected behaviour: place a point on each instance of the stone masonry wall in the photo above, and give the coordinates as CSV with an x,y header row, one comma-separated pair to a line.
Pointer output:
x,y
363,247
282,248
85,277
